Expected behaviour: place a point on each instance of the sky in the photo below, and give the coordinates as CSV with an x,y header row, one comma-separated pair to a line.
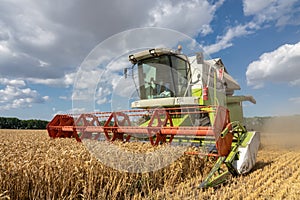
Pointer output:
x,y
47,49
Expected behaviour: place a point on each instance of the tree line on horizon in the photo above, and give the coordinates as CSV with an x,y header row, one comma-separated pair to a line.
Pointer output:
x,y
15,123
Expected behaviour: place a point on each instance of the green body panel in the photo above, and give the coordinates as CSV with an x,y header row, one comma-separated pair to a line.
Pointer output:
x,y
179,121
182,121
247,139
234,105
197,92
215,176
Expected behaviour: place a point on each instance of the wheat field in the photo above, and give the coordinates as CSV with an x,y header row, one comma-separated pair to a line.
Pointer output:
x,y
33,166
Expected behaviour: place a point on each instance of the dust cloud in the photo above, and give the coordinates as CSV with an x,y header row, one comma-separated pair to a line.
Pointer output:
x,y
281,132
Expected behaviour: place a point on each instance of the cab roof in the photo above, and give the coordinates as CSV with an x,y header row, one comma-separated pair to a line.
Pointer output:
x,y
134,58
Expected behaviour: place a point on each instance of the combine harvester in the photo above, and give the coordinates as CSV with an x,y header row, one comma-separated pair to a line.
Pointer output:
x,y
184,100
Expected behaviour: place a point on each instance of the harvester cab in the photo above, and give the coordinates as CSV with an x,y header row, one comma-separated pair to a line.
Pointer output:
x,y
182,100
169,78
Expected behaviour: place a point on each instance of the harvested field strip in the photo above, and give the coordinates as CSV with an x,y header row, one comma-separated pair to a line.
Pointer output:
x,y
266,185
284,189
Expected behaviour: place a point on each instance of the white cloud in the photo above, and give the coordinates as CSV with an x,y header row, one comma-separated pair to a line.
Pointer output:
x,y
12,82
281,65
15,95
190,17
63,97
66,81
295,100
255,6
225,41
32,33
4,48
50,38
283,12
44,42
47,39
295,82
